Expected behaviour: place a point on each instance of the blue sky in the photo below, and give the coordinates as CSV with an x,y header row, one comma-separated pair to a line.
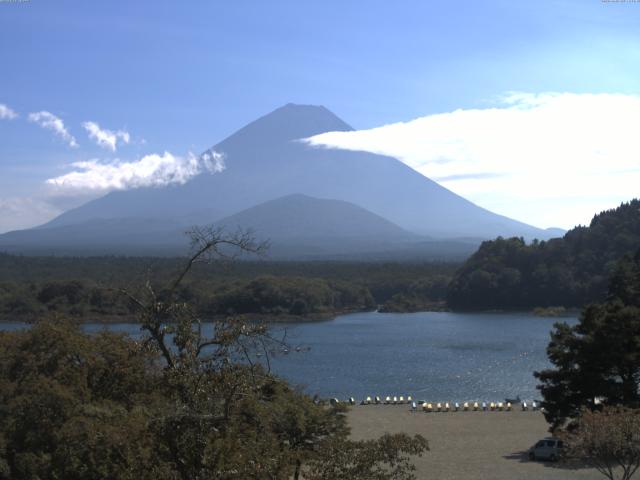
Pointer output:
x,y
180,76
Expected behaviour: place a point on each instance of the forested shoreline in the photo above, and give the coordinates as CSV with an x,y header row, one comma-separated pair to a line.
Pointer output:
x,y
572,271
90,289
504,274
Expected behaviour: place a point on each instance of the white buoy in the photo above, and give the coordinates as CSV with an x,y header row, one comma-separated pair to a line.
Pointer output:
x,y
387,400
377,400
465,406
395,400
446,407
484,406
409,399
457,406
524,406
475,406
508,406
401,399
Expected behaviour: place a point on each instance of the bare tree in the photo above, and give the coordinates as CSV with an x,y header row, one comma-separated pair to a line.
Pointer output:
x,y
608,440
207,373
161,315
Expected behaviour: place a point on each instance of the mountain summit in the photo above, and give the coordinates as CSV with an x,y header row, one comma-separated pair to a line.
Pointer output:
x,y
290,122
265,161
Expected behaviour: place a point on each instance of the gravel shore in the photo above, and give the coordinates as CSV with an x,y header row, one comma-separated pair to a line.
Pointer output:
x,y
468,445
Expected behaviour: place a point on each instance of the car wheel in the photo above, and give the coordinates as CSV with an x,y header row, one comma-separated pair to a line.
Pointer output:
x,y
532,456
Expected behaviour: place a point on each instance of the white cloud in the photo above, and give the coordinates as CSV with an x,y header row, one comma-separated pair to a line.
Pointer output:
x,y
17,213
106,138
549,159
51,122
6,113
151,170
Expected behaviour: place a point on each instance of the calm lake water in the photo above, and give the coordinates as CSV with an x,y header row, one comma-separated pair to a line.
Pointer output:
x,y
429,355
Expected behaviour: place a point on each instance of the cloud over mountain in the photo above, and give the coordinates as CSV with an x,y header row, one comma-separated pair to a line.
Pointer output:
x,y
106,138
150,171
526,149
51,122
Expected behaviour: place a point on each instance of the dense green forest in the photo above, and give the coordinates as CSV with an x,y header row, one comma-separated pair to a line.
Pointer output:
x,y
90,288
571,271
79,406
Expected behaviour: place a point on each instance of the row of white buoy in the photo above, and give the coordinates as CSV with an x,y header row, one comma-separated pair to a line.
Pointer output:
x,y
475,406
387,400
401,400
443,406
465,407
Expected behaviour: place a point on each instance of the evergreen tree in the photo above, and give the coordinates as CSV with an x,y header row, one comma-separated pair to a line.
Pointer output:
x,y
597,360
571,271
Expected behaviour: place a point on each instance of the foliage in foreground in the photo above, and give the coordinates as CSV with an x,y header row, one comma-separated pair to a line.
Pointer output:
x,y
178,404
608,440
79,406
387,457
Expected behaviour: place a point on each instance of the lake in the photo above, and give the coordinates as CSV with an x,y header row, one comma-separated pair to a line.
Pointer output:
x,y
438,356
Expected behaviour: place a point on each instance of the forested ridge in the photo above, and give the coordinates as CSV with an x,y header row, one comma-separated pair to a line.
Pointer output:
x,y
90,288
570,271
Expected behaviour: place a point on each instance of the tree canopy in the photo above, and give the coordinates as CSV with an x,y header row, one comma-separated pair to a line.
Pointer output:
x,y
608,440
571,271
88,288
598,359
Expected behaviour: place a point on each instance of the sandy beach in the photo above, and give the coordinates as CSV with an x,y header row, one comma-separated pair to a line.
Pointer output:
x,y
468,445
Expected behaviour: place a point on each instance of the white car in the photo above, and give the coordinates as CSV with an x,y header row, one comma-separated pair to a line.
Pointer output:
x,y
546,449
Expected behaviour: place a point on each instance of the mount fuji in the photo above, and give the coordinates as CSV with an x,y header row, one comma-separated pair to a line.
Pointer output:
x,y
310,201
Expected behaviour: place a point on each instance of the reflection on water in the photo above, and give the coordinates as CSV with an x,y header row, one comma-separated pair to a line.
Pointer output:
x,y
429,355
